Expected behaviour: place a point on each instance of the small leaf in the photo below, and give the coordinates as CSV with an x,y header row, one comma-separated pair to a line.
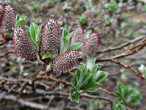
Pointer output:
x,y
21,23
75,95
64,45
118,106
90,105
17,17
90,63
69,36
74,46
48,55
35,26
65,32
32,32
87,34
38,35
100,76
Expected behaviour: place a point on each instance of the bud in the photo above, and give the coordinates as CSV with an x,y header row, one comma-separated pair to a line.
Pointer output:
x,y
91,44
8,19
77,36
65,62
51,37
1,13
23,45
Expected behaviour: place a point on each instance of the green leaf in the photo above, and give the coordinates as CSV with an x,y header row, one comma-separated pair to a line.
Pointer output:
x,y
118,106
65,32
17,17
128,95
48,55
90,63
64,45
96,68
21,23
32,32
90,105
89,89
87,33
69,36
100,76
74,46
35,26
38,35
75,95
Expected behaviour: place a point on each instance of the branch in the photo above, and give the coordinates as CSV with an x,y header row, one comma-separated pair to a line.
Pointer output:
x,y
120,46
130,51
4,54
3,42
25,102
128,66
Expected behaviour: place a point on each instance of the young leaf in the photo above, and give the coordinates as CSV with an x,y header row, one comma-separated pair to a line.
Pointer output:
x,y
32,32
48,55
17,17
100,76
128,95
118,106
65,32
90,63
21,23
64,45
69,36
75,95
74,46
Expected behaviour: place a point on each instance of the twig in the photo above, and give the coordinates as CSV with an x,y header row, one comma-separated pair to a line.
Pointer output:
x,y
128,66
24,102
121,46
130,51
106,91
4,54
3,42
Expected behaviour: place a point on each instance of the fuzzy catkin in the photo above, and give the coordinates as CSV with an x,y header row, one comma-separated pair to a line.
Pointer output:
x,y
51,37
77,36
63,63
91,44
1,13
23,46
9,19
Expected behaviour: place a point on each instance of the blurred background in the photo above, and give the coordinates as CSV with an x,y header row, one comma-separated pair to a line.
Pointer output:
x,y
118,22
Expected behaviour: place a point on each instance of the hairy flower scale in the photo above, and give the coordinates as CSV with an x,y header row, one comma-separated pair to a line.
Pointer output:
x,y
63,63
51,37
77,36
8,19
91,44
23,45
1,13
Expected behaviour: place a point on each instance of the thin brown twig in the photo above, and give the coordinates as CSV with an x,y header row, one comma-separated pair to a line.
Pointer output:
x,y
4,54
128,66
121,46
3,42
130,51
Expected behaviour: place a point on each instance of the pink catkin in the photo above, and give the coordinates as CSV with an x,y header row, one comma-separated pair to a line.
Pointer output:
x,y
91,44
1,13
65,62
9,19
51,37
23,46
77,36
